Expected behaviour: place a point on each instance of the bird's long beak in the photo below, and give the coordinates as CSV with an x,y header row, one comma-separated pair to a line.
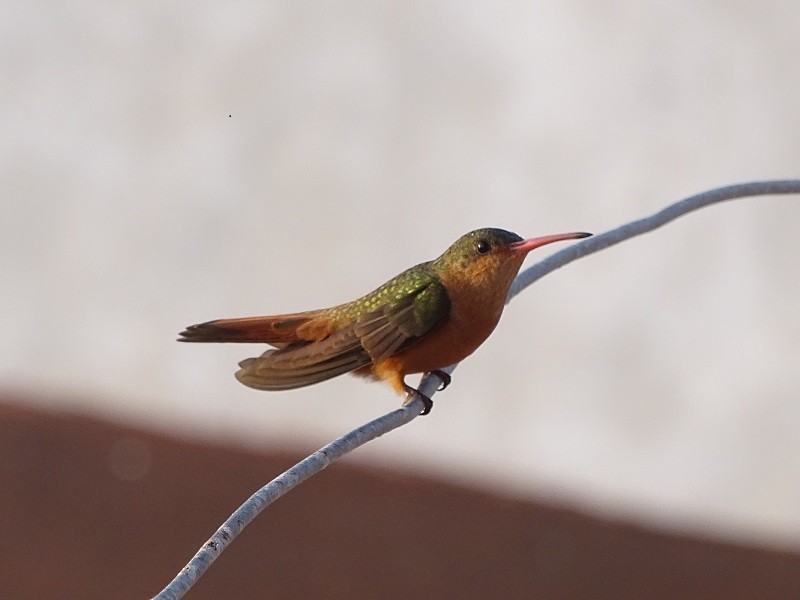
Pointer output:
x,y
526,246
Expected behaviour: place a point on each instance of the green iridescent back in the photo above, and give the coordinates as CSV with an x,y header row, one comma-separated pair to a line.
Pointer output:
x,y
418,285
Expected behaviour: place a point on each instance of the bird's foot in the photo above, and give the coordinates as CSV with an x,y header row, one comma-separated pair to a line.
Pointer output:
x,y
444,378
426,401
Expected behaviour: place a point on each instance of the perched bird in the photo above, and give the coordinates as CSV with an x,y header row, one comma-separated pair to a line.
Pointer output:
x,y
428,317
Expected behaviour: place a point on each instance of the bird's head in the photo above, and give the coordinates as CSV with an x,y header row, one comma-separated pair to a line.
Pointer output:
x,y
490,258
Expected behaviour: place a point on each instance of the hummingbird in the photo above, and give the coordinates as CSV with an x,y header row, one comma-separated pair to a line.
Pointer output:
x,y
428,317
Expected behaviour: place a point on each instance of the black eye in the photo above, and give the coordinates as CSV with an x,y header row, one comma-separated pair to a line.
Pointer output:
x,y
483,246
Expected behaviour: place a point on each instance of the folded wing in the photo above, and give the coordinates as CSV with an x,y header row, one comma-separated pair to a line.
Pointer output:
x,y
368,338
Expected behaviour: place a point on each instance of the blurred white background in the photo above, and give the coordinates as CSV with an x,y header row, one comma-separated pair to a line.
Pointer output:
x,y
169,163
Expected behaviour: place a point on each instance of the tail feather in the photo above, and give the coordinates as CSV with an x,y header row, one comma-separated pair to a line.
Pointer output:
x,y
278,330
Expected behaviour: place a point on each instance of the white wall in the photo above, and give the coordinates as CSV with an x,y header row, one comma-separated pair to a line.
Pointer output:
x,y
658,379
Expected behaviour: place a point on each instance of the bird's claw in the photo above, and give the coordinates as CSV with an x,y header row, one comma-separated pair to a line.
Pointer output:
x,y
444,378
426,401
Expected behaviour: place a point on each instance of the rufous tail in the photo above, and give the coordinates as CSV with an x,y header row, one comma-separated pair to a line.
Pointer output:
x,y
278,330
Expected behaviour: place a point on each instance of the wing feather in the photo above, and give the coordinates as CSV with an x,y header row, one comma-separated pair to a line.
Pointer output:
x,y
389,327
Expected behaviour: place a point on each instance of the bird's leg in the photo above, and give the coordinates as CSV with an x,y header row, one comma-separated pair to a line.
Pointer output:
x,y
443,377
426,401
